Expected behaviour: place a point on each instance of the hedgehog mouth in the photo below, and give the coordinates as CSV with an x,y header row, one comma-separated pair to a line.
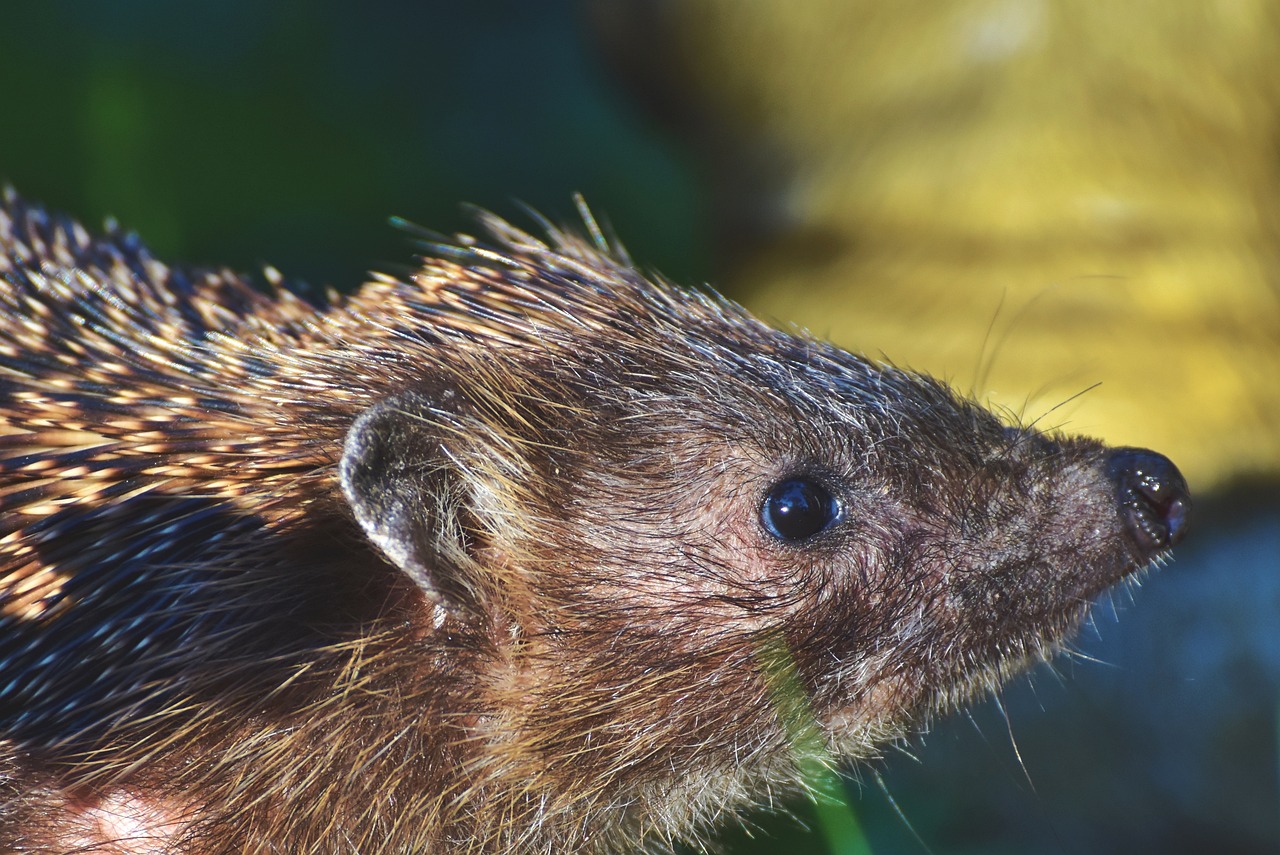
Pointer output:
x,y
974,644
999,652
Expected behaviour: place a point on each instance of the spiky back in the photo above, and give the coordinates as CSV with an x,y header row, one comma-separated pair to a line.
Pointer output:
x,y
161,432
169,513
147,468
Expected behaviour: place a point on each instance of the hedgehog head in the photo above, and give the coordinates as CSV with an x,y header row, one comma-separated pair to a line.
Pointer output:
x,y
648,499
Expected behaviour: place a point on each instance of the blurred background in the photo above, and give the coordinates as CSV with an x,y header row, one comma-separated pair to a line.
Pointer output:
x,y
1069,210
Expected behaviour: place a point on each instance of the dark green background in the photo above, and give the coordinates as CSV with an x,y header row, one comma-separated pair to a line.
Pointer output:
x,y
244,133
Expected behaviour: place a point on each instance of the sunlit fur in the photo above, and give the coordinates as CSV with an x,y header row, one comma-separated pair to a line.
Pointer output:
x,y
201,650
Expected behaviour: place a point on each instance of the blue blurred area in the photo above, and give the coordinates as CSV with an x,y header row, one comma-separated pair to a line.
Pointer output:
x,y
1159,738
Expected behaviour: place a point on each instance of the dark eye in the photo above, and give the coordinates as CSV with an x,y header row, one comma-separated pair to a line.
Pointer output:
x,y
798,508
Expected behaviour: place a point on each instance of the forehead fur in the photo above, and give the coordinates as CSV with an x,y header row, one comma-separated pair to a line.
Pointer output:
x,y
581,310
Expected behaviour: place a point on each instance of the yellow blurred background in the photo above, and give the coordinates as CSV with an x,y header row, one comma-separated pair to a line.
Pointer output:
x,y
1071,209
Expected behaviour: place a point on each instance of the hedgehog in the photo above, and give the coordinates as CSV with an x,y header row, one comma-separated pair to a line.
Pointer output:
x,y
526,552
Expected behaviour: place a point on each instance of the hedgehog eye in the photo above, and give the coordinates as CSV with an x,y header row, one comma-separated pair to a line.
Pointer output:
x,y
798,508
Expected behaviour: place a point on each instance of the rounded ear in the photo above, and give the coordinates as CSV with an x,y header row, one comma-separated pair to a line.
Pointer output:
x,y
399,481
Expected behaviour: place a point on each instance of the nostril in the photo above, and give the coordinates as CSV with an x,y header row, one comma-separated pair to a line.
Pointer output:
x,y
1153,497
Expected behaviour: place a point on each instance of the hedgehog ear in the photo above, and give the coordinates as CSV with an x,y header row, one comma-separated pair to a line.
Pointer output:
x,y
398,480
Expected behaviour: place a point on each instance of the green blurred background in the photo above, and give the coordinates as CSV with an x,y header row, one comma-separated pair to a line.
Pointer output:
x,y
244,133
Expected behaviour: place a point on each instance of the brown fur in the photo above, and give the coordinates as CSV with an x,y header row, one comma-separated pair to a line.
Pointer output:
x,y
475,562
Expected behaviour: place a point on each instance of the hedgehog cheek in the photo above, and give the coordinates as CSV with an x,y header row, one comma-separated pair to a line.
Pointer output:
x,y
400,485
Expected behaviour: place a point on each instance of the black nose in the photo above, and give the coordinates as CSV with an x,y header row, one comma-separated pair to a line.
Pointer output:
x,y
1153,497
